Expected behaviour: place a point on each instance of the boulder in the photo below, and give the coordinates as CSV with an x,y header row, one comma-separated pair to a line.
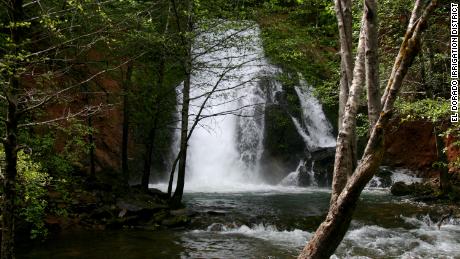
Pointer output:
x,y
417,189
283,146
401,189
303,178
176,221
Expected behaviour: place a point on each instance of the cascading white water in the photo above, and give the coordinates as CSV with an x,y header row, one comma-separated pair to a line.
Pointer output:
x,y
315,129
226,146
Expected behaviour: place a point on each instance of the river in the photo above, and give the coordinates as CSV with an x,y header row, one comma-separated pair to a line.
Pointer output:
x,y
271,223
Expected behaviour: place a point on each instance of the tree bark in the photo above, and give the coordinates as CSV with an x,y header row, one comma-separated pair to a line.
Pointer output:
x,y
345,149
148,158
125,134
91,143
92,149
151,136
187,44
177,197
10,145
330,233
344,20
10,142
372,61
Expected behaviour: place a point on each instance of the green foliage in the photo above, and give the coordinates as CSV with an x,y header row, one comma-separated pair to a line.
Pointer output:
x,y
433,110
290,40
31,186
362,125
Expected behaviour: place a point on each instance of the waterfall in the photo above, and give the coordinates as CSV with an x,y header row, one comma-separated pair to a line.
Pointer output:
x,y
315,128
225,148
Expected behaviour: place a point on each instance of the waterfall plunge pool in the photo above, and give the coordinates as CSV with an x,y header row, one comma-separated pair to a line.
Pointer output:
x,y
271,223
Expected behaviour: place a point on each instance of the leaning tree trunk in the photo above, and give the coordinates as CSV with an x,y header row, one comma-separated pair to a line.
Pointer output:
x,y
331,232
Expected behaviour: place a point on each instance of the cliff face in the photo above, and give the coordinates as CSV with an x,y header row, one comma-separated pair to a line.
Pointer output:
x,y
453,154
412,145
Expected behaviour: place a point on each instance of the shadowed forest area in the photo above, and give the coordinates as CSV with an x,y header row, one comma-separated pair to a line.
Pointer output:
x,y
227,129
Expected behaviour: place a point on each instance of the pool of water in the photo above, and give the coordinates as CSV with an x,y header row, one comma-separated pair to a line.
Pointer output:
x,y
269,224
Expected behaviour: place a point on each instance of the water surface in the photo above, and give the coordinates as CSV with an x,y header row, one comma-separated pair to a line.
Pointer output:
x,y
269,224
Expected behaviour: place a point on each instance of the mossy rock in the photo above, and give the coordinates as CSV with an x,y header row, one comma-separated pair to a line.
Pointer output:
x,y
283,146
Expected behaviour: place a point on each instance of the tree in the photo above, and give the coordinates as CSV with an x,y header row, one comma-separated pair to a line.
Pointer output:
x,y
157,100
330,233
344,19
191,64
187,67
127,82
372,61
41,48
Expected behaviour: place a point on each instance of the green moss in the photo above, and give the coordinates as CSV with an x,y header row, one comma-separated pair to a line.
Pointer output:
x,y
303,39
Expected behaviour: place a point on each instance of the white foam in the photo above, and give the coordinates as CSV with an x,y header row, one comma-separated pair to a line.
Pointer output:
x,y
293,238
404,175
424,241
239,187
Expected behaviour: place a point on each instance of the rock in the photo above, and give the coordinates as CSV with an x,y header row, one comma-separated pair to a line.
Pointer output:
x,y
103,212
216,212
216,227
283,146
186,212
160,216
384,175
321,162
158,193
303,178
401,189
416,189
137,203
322,153
176,221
